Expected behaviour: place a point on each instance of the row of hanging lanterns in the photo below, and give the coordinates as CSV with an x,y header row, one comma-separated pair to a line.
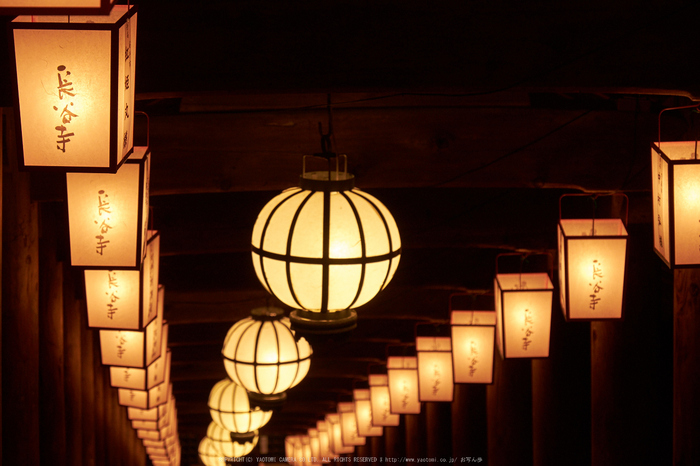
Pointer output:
x,y
75,115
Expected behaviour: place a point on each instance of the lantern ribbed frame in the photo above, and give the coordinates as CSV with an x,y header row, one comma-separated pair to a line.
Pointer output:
x,y
325,248
230,408
261,354
208,454
225,445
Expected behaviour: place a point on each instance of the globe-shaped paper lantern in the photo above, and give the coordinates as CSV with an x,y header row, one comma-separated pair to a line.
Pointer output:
x,y
208,454
230,408
325,248
261,355
229,444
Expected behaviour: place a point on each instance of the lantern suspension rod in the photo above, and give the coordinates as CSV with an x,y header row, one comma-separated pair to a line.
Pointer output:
x,y
594,197
523,258
676,108
473,294
326,143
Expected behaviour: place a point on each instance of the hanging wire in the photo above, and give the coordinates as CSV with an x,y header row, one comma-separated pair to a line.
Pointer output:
x,y
674,108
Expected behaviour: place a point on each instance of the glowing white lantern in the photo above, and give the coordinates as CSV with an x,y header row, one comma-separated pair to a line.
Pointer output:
x,y
261,354
324,441
125,299
108,215
523,314
335,435
473,345
75,89
675,171
435,379
229,444
363,414
147,399
324,249
208,454
230,408
315,445
381,402
402,373
592,260
348,425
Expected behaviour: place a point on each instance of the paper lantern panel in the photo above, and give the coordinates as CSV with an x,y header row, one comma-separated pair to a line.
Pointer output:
x,y
363,414
523,314
75,89
402,374
336,437
592,268
380,401
348,425
473,346
676,203
142,379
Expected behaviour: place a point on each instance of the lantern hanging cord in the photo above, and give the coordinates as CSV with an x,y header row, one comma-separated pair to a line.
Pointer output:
x,y
326,143
676,108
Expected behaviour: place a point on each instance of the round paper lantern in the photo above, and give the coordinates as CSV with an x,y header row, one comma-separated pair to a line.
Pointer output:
x,y
324,249
208,454
229,444
261,355
230,408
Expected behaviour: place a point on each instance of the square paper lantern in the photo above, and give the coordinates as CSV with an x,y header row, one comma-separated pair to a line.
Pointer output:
x,y
523,314
335,435
381,404
108,215
348,425
435,379
324,441
125,299
75,89
143,379
402,373
147,399
363,414
675,184
592,258
473,345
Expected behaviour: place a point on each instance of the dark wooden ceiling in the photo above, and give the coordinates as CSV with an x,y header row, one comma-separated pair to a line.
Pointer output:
x,y
468,119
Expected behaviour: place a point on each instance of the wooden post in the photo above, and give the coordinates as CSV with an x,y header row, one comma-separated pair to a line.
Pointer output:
x,y
100,417
52,397
561,394
686,367
73,371
415,435
20,314
438,421
87,369
469,427
377,448
394,440
509,410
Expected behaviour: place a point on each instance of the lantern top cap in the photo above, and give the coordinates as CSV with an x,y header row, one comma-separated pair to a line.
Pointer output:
x,y
267,313
331,181
115,14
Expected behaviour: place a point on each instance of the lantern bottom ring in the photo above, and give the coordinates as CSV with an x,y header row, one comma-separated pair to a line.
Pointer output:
x,y
323,323
267,402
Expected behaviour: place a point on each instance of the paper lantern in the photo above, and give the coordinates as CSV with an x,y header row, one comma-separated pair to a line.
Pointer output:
x,y
315,445
108,215
523,314
592,263
324,249
402,373
231,445
143,379
335,435
75,89
348,425
435,379
305,454
125,299
230,408
55,7
324,442
261,355
290,442
147,399
380,400
208,454
675,171
363,414
473,345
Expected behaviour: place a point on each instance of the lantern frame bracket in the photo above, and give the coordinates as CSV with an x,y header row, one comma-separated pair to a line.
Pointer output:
x,y
594,198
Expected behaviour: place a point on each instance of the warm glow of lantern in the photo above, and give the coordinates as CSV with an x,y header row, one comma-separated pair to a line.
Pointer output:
x,y
229,446
523,314
335,435
147,399
75,87
108,215
261,354
381,403
125,299
325,248
208,454
592,268
140,379
363,414
675,172
348,425
473,344
435,379
315,444
402,374
230,408
324,441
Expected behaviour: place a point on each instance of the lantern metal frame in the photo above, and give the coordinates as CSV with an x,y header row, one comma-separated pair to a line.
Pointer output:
x,y
113,28
102,8
500,332
563,239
